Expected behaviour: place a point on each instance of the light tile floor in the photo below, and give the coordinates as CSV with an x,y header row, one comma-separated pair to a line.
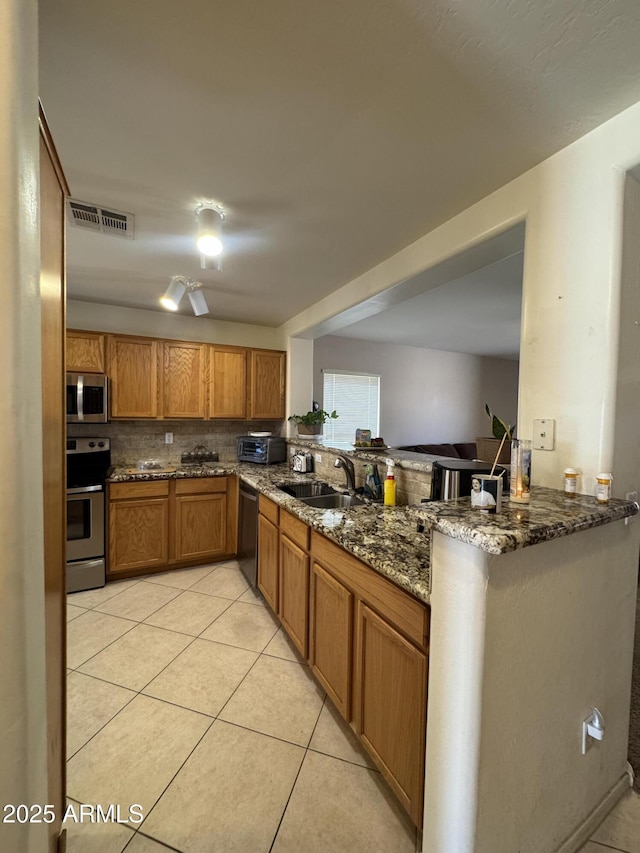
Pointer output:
x,y
186,697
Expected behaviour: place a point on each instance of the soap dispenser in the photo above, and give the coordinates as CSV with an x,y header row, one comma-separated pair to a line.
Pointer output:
x,y
390,486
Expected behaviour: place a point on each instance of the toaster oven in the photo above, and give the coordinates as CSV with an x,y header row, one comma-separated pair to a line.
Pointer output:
x,y
267,451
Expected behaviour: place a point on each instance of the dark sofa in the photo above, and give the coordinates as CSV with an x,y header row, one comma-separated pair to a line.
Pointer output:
x,y
465,450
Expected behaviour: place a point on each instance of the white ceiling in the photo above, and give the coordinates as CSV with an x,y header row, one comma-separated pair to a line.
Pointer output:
x,y
335,133
478,313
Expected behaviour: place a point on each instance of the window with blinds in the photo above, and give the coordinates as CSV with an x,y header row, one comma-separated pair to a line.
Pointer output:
x,y
356,399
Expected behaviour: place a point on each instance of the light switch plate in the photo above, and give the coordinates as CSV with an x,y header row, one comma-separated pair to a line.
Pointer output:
x,y
544,434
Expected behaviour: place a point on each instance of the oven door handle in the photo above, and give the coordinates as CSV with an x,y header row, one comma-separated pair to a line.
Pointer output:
x,y
83,489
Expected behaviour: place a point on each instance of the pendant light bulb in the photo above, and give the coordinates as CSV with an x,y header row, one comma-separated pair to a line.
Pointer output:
x,y
209,240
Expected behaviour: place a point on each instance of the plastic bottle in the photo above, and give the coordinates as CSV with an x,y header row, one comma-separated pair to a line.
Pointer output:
x,y
570,481
390,488
603,488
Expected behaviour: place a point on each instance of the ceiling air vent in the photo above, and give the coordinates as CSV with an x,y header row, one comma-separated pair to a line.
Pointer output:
x,y
94,218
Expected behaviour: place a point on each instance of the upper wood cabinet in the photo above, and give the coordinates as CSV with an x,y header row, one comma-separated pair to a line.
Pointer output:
x,y
85,352
154,379
227,382
266,384
133,373
183,380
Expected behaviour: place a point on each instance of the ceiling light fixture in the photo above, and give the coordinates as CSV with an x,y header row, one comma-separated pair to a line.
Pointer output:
x,y
209,240
178,286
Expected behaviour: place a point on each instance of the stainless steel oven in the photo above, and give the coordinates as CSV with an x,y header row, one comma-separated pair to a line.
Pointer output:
x,y
88,461
85,523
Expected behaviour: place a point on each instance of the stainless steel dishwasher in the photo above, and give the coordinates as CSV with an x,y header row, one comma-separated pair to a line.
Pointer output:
x,y
248,533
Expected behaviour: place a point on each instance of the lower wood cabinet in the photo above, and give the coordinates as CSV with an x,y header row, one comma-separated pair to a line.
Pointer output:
x,y
366,640
268,581
200,518
294,593
330,653
162,524
138,526
391,705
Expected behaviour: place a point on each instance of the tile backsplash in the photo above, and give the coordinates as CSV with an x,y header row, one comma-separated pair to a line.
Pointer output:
x,y
135,441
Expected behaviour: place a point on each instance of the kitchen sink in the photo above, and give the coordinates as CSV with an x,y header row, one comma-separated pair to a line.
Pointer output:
x,y
320,495
334,501
308,490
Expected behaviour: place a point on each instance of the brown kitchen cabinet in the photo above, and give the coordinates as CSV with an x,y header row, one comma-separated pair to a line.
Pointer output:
x,y
266,384
183,379
227,382
369,649
132,368
200,518
390,711
330,647
268,551
154,379
366,640
85,352
138,526
167,524
293,598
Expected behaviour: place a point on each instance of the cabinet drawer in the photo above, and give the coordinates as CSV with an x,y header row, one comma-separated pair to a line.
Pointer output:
x,y
295,529
150,489
201,485
397,606
268,508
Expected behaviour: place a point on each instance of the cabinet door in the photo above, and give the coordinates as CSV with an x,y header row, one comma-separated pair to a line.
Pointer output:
x,y
201,526
138,533
266,392
133,371
183,386
85,352
294,593
227,382
268,561
390,713
331,632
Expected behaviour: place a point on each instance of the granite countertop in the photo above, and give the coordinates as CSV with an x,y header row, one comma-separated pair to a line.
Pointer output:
x,y
549,515
385,538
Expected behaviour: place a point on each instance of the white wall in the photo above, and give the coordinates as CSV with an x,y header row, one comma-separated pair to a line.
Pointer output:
x,y
572,204
523,645
626,459
135,321
23,732
426,396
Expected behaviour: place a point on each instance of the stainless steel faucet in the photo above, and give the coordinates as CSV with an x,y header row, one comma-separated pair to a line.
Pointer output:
x,y
350,474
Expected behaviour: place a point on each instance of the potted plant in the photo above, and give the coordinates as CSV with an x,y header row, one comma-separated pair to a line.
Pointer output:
x,y
312,422
487,448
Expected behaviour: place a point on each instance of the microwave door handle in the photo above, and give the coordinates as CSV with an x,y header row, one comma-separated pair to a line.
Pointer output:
x,y
80,387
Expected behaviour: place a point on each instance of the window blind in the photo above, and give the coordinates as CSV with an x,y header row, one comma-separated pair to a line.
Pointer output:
x,y
356,399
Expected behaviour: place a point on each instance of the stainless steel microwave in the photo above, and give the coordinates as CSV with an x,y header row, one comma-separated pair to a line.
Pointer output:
x,y
86,398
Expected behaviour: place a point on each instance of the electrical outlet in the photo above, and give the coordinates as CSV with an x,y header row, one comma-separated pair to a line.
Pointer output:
x,y
168,438
544,434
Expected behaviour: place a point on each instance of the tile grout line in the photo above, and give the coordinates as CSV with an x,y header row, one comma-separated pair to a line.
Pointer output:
x,y
295,781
